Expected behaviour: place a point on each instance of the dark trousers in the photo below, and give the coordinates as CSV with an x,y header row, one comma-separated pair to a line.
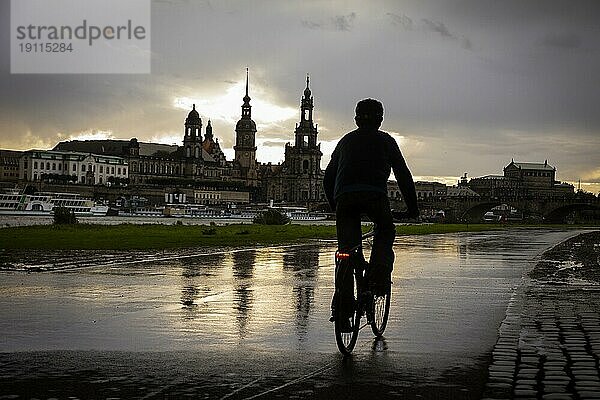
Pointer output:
x,y
376,206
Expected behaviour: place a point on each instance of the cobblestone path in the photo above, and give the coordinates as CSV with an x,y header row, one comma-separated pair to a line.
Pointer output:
x,y
549,344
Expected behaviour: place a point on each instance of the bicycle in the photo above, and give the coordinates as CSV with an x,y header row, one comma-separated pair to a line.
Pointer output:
x,y
350,269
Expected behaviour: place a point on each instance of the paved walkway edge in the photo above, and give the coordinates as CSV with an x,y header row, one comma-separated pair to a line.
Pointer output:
x,y
549,344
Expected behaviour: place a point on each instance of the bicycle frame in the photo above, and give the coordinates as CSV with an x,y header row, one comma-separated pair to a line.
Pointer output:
x,y
349,271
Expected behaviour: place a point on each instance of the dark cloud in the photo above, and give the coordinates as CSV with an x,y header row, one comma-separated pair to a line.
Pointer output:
x,y
311,24
401,20
466,43
405,22
439,27
442,29
562,40
343,23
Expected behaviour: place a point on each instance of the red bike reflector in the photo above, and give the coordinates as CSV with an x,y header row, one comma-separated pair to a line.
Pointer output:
x,y
342,256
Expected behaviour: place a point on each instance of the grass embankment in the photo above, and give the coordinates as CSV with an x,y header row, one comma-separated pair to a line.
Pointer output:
x,y
123,237
126,236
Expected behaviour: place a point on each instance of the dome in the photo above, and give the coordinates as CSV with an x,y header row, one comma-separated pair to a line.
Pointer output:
x,y
193,116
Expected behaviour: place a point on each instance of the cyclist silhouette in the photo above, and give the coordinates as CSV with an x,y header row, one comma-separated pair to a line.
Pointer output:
x,y
356,183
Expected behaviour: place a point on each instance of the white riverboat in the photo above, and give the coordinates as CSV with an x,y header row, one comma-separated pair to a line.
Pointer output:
x,y
154,212
300,213
201,211
43,203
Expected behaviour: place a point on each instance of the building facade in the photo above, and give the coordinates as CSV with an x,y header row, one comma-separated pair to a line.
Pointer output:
x,y
199,165
522,180
10,165
198,160
73,167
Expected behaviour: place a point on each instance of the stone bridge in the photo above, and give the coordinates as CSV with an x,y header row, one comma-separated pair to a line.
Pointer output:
x,y
546,209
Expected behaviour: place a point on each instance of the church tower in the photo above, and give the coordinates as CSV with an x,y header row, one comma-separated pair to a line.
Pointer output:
x,y
192,145
306,132
192,139
303,159
245,142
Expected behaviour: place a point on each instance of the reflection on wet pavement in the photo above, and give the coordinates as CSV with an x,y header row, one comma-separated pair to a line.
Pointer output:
x,y
449,297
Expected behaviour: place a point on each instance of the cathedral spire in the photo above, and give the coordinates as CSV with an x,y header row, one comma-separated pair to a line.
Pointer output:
x,y
246,97
307,92
306,105
246,107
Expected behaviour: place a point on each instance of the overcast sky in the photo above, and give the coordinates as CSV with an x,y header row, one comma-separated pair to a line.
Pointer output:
x,y
467,85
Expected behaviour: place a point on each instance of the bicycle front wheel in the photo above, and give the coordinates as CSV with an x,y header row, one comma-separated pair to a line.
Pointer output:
x,y
381,312
346,328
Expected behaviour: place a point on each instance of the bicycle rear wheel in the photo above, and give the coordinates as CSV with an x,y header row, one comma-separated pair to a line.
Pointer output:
x,y
381,312
346,328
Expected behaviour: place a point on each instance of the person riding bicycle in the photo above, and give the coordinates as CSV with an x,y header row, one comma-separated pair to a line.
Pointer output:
x,y
355,184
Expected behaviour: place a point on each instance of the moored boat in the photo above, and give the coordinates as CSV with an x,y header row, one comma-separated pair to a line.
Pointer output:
x,y
43,203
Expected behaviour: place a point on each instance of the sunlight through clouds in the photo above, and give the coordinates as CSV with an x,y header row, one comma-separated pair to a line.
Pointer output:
x,y
92,135
31,141
170,139
446,180
227,107
270,150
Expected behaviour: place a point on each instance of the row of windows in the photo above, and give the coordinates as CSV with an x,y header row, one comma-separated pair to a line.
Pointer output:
x,y
82,178
536,173
90,167
146,168
109,170
422,195
64,203
41,165
207,195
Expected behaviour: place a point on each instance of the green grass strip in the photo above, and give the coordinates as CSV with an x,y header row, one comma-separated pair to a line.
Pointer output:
x,y
127,236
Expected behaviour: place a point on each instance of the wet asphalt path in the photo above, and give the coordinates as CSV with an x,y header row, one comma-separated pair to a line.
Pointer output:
x,y
253,324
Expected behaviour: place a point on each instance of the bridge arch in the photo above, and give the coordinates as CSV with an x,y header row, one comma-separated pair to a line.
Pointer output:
x,y
475,212
558,213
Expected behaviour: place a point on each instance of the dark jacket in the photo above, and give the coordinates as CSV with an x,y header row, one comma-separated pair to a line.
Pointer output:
x,y
362,161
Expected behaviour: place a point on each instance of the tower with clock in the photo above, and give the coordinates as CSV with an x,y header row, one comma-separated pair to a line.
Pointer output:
x,y
245,143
